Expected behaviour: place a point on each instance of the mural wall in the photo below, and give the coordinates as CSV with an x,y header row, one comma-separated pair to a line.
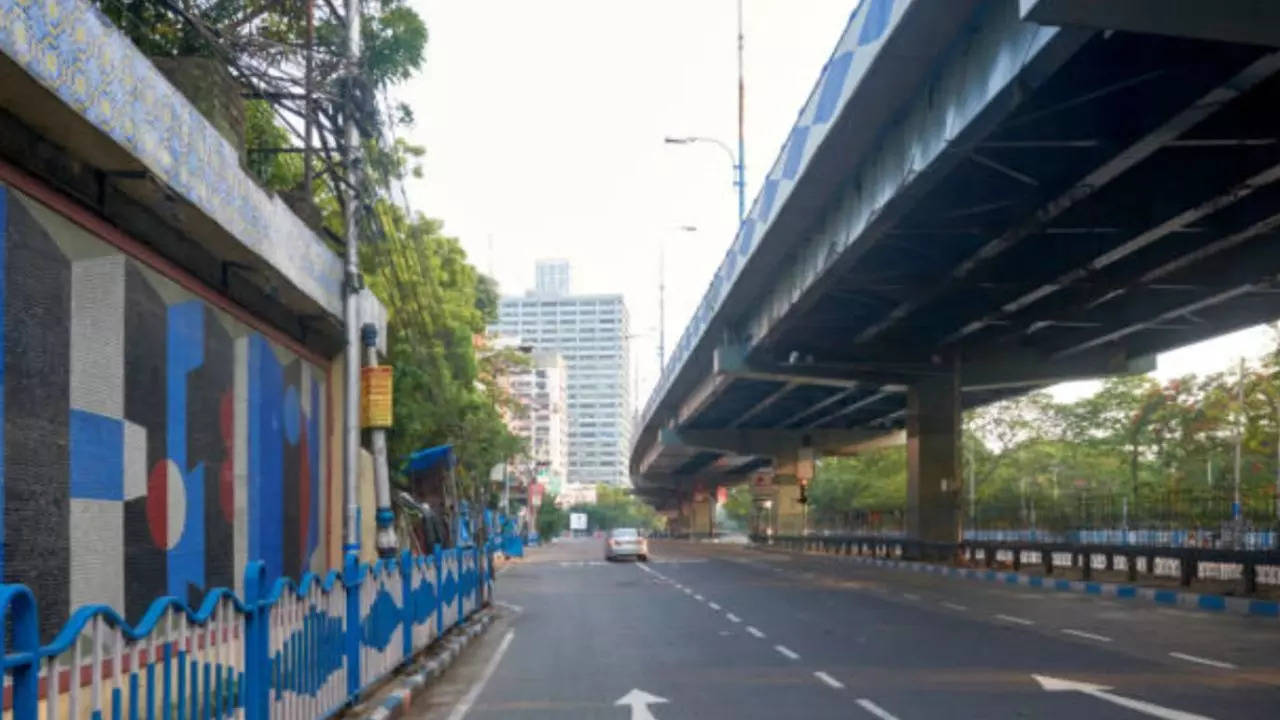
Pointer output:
x,y
152,443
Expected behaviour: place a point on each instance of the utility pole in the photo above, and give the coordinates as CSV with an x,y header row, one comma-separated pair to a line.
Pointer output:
x,y
1236,516
662,307
351,285
742,157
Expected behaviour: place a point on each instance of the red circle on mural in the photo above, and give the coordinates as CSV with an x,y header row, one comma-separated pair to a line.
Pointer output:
x,y
158,502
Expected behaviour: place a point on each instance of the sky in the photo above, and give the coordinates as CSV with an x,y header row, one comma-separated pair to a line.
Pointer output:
x,y
544,123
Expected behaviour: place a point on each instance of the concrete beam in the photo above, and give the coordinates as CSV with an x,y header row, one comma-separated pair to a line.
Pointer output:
x,y
1023,368
1255,22
778,442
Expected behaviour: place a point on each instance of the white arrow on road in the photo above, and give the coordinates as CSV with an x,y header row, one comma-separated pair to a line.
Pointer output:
x,y
1053,684
640,701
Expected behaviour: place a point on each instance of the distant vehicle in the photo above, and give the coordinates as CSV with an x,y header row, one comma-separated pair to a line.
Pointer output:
x,y
625,542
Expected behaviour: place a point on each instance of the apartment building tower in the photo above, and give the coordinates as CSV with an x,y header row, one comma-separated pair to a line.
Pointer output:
x,y
591,333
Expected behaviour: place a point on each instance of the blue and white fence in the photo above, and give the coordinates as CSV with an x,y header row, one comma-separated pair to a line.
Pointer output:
x,y
290,650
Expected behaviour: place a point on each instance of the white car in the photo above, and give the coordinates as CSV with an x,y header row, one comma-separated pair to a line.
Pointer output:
x,y
625,542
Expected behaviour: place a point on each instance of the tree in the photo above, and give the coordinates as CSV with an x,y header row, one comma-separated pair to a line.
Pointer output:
x,y
552,521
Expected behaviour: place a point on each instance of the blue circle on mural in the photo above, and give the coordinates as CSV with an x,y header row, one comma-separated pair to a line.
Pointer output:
x,y
292,415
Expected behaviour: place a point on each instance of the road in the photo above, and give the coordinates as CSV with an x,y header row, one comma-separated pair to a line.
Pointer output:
x,y
720,631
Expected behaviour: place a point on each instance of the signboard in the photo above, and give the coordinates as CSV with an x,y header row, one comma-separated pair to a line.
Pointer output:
x,y
535,494
722,495
577,521
375,396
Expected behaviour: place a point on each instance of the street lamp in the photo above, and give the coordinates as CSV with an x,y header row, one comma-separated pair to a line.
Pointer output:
x,y
738,182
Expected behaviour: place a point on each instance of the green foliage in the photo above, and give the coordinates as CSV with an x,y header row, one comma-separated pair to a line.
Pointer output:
x,y
444,393
738,506
552,521
276,171
615,507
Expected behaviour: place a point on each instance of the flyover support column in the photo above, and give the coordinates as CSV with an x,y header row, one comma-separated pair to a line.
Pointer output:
x,y
702,515
933,459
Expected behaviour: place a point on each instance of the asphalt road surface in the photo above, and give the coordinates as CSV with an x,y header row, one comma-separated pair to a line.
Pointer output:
x,y
713,631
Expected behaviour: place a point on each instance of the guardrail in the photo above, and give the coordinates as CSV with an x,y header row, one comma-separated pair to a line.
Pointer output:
x,y
287,650
1185,563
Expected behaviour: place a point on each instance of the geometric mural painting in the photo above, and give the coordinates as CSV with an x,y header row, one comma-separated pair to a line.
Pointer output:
x,y
152,444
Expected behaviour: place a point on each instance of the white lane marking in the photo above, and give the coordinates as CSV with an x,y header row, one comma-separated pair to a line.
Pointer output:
x,y
954,606
1089,635
755,632
460,710
1052,684
828,679
1203,661
876,710
639,702
713,606
1013,619
788,652
911,596
732,617
509,606
699,598
687,591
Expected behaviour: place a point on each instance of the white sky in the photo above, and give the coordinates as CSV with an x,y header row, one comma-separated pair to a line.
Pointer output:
x,y
543,122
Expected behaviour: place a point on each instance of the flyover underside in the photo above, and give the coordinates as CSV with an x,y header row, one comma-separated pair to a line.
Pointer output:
x,y
1122,204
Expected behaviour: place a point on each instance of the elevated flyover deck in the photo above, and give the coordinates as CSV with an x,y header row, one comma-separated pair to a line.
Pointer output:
x,y
979,197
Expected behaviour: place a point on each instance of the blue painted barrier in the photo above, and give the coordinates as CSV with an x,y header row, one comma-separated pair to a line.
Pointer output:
x,y
302,649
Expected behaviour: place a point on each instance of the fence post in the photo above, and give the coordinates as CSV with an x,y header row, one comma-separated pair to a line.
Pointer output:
x,y
19,606
406,605
437,557
352,581
255,642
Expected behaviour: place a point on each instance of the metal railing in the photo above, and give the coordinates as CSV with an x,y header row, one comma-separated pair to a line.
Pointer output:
x,y
285,650
1185,563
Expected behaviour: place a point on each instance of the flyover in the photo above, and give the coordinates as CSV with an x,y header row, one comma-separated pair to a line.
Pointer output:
x,y
980,197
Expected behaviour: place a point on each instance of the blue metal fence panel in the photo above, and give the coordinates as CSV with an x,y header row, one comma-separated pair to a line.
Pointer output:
x,y
302,649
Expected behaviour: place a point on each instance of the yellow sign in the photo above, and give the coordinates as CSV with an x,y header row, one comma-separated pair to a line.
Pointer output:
x,y
375,396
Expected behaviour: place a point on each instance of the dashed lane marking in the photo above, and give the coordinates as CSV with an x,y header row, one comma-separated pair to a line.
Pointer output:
x,y
1086,635
832,682
954,606
876,710
1015,619
911,596
733,618
787,652
713,606
1203,661
755,632
699,598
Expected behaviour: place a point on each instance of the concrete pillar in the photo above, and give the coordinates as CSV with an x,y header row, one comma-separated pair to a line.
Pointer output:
x,y
788,512
701,516
933,459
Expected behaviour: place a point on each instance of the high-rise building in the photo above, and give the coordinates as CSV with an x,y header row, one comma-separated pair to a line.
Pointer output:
x,y
552,277
591,333
542,390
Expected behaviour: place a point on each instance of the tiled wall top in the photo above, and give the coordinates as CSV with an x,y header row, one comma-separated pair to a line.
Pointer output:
x,y
80,56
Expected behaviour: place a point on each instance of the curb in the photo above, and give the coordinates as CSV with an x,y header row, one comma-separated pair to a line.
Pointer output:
x,y
401,693
1158,596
